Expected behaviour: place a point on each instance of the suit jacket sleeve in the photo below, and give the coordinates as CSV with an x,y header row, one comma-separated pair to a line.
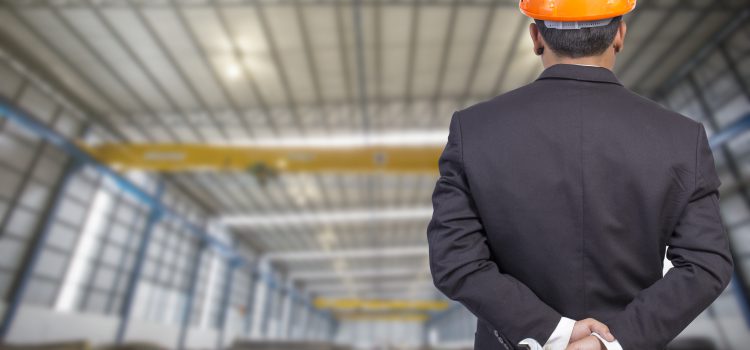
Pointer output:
x,y
460,258
699,251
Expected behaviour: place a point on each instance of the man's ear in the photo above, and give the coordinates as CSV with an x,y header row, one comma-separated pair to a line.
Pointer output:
x,y
619,42
536,38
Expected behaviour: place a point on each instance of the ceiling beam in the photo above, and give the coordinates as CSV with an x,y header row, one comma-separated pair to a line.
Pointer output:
x,y
350,304
328,217
414,24
478,54
698,21
334,106
383,317
703,53
365,285
361,64
150,75
446,52
367,253
508,59
267,33
422,293
245,73
351,274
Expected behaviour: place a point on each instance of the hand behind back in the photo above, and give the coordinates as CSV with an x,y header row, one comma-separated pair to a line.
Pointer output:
x,y
581,338
588,343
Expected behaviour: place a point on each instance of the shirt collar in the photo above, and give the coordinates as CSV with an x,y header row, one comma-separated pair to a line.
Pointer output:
x,y
580,72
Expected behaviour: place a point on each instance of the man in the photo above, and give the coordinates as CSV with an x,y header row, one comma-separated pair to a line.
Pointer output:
x,y
557,201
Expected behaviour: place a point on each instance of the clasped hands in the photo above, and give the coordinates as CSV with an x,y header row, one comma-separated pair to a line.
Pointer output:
x,y
582,338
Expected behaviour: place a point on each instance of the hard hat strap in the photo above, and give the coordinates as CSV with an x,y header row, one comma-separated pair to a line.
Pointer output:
x,y
577,25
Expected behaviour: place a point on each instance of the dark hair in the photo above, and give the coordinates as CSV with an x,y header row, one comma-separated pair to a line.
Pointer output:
x,y
575,43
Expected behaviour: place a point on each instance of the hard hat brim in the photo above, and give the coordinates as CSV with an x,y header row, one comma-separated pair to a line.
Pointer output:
x,y
572,18
575,10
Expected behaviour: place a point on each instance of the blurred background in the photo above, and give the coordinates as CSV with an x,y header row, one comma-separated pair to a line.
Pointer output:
x,y
257,174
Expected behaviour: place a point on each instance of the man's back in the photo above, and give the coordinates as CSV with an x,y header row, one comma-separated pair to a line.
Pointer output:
x,y
578,185
580,179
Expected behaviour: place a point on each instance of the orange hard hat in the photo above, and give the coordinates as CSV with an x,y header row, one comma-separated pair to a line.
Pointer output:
x,y
575,10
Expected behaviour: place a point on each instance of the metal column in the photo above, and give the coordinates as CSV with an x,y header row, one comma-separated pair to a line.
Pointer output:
x,y
187,312
270,306
286,309
250,307
261,298
305,315
31,259
135,275
309,322
333,327
297,306
226,295
292,316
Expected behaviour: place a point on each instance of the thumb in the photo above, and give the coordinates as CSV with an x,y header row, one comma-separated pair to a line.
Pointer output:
x,y
601,329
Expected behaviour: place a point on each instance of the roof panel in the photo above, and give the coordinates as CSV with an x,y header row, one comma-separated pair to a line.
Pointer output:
x,y
140,41
85,24
177,40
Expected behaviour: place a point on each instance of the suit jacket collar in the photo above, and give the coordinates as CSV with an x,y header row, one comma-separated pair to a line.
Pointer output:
x,y
582,73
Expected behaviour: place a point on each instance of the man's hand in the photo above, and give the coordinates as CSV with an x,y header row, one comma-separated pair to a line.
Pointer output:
x,y
588,343
584,328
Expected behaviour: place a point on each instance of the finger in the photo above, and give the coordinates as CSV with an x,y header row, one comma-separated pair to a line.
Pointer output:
x,y
584,344
575,345
590,343
600,328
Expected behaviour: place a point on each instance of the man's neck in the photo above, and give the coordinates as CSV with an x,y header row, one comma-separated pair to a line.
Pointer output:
x,y
550,59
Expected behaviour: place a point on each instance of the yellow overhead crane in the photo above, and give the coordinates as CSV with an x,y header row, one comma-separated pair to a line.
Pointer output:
x,y
266,160
390,317
381,310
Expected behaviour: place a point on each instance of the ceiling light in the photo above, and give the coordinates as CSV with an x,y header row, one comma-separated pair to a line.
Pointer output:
x,y
232,71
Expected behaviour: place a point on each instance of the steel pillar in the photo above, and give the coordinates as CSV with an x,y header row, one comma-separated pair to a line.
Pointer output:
x,y
250,307
135,275
226,296
187,312
18,290
260,300
286,309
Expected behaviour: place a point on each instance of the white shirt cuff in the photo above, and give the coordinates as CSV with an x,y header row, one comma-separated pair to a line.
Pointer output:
x,y
610,345
559,338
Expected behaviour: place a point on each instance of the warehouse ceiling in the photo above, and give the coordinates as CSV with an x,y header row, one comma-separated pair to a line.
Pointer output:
x,y
238,71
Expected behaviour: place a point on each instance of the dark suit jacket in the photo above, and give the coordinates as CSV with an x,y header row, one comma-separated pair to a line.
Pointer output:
x,y
560,198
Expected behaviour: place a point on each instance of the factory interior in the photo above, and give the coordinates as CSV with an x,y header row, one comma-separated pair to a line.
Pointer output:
x,y
257,174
